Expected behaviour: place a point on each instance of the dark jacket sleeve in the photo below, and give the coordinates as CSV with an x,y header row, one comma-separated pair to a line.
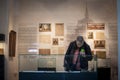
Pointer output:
x,y
89,53
67,57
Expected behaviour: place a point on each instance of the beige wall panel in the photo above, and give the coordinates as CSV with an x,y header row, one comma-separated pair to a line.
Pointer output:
x,y
46,39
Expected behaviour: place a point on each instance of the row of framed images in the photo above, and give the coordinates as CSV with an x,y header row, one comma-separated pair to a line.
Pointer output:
x,y
97,36
46,27
99,42
100,54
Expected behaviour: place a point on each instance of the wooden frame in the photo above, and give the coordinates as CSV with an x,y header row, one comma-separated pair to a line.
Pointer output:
x,y
12,43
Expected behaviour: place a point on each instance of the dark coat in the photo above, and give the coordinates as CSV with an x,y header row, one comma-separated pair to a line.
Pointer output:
x,y
68,60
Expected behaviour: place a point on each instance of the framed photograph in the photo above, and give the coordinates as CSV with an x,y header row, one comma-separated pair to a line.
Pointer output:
x,y
59,29
96,26
55,41
90,35
99,44
44,27
101,54
44,51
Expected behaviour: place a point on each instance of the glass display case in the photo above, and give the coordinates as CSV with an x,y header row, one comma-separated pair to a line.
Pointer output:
x,y
51,67
48,63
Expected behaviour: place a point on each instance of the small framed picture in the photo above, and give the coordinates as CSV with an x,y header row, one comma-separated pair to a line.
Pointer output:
x,y
99,44
44,27
44,51
90,35
55,41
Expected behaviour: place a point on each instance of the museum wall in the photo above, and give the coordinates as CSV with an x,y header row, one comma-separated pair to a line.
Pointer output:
x,y
65,20
4,30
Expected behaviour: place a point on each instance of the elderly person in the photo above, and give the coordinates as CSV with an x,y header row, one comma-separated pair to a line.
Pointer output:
x,y
77,56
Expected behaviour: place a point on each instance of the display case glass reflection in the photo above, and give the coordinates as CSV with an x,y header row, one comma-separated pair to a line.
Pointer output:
x,y
45,63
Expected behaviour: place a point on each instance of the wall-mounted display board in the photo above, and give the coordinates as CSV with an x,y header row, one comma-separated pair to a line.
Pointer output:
x,y
51,35
97,38
96,26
